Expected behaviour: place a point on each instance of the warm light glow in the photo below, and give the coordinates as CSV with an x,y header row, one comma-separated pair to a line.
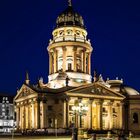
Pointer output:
x,y
80,108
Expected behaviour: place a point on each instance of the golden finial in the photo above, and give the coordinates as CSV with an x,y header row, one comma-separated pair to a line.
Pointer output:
x,y
69,3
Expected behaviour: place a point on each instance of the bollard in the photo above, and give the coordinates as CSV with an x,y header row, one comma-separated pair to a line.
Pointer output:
x,y
93,136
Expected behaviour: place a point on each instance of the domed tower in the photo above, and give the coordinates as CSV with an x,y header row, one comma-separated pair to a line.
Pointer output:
x,y
69,51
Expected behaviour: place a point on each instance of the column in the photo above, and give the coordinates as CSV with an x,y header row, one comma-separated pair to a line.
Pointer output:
x,y
81,52
99,105
22,117
17,116
121,115
89,63
110,115
90,113
26,118
20,123
43,114
37,114
74,58
38,108
50,62
64,114
56,60
33,116
54,56
64,58
84,60
67,113
29,114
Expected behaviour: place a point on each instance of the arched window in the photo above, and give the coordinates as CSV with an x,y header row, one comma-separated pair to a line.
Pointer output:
x,y
135,118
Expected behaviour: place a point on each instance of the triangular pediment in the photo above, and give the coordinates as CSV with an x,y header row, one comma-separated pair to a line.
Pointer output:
x,y
24,92
96,90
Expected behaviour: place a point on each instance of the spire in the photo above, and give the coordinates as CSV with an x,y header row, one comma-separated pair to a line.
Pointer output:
x,y
69,3
27,78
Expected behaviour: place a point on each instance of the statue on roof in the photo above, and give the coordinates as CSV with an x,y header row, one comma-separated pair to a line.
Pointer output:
x,y
67,81
95,78
69,3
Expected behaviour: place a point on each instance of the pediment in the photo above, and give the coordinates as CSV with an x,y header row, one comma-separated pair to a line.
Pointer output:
x,y
95,89
24,92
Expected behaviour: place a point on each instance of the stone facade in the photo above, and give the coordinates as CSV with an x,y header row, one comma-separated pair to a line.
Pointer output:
x,y
70,97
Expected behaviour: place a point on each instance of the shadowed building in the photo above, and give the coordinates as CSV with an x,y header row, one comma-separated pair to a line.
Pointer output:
x,y
70,97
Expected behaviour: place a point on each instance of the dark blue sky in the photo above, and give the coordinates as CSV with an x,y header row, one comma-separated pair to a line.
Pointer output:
x,y
26,26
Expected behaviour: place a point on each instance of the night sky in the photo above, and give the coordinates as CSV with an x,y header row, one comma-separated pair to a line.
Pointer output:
x,y
25,29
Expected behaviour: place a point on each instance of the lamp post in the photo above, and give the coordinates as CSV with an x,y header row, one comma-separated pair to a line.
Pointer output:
x,y
79,109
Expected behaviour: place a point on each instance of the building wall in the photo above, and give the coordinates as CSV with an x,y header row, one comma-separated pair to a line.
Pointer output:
x,y
134,116
6,115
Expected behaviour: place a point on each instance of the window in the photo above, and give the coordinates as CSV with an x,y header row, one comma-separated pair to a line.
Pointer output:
x,y
61,33
7,111
50,107
69,32
114,111
50,122
69,66
104,109
135,118
56,101
70,107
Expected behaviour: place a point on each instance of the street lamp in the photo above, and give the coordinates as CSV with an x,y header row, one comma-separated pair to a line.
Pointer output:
x,y
79,109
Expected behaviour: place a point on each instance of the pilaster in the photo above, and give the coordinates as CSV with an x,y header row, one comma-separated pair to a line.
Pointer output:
x,y
64,58
89,63
121,114
84,60
90,113
99,105
54,56
75,58
110,115
50,62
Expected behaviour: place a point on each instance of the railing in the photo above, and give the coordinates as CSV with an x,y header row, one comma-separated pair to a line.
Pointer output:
x,y
69,38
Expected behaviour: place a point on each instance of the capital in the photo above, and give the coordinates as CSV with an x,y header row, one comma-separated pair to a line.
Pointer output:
x,y
64,48
99,102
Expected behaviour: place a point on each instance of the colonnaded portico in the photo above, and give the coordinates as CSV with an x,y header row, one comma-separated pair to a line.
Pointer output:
x,y
35,111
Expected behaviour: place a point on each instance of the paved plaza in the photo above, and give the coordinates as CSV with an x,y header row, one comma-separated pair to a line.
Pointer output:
x,y
52,138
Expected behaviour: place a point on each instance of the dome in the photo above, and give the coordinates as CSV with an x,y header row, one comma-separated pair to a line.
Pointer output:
x,y
131,91
69,18
124,90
